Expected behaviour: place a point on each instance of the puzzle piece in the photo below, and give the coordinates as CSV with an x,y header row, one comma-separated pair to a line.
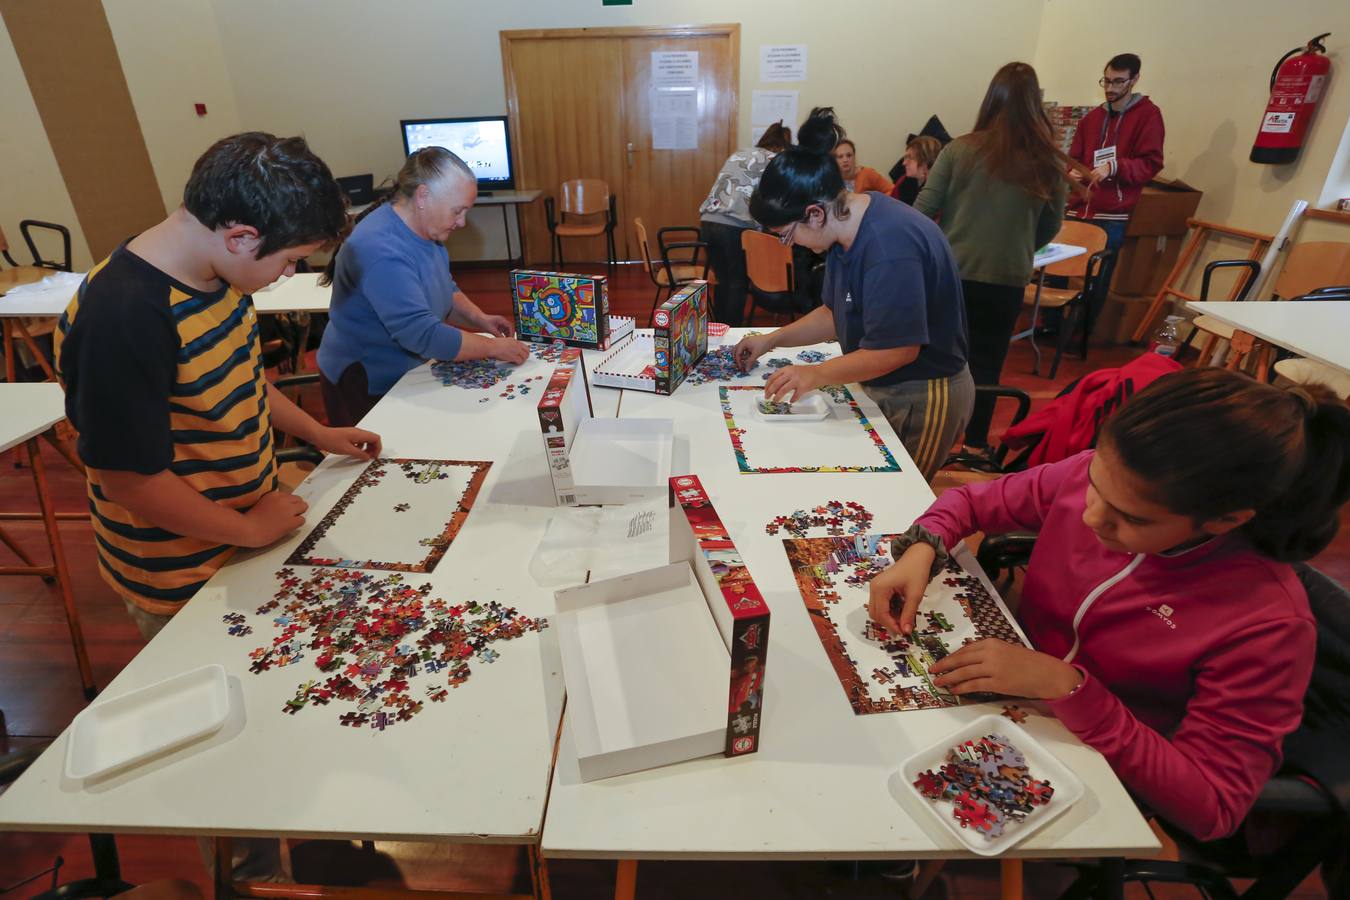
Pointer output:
x,y
1015,713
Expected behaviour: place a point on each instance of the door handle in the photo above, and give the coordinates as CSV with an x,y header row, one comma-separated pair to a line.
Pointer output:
x,y
630,154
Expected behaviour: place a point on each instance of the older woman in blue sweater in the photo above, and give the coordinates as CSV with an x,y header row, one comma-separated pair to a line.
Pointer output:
x,y
395,303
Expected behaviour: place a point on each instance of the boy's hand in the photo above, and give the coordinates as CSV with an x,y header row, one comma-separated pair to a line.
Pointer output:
x,y
996,666
792,383
273,517
508,349
905,581
750,348
354,442
499,326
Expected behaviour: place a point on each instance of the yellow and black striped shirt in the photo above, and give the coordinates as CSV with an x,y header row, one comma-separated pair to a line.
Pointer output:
x,y
160,375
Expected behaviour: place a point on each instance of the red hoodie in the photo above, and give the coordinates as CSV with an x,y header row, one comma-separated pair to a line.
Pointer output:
x,y
1194,664
1137,135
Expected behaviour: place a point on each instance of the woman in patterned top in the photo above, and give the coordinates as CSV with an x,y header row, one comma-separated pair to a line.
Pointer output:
x,y
726,213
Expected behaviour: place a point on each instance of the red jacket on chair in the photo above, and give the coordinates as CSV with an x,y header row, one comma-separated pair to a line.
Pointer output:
x,y
1070,424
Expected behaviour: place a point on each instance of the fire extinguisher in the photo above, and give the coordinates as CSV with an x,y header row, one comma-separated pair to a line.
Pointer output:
x,y
1295,86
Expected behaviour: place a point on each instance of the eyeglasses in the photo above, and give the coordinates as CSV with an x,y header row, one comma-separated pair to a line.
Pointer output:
x,y
1114,82
785,236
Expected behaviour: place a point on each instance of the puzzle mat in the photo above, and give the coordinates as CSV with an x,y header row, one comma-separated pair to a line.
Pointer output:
x,y
845,441
399,514
381,648
881,672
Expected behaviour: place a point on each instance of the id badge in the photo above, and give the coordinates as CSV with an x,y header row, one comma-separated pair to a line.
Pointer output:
x,y
1104,155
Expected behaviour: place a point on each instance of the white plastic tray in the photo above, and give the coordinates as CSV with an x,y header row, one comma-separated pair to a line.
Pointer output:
x,y
127,729
1041,763
811,408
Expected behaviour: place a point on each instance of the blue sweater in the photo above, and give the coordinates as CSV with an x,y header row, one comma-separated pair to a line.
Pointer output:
x,y
391,293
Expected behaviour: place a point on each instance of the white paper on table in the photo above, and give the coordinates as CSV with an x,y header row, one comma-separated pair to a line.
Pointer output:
x,y
674,68
782,62
57,281
606,541
768,107
845,441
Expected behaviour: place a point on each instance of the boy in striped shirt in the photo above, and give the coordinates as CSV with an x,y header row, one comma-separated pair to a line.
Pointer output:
x,y
159,354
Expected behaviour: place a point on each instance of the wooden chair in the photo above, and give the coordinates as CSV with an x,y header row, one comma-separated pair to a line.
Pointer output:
x,y
668,273
1307,268
585,199
769,273
1087,277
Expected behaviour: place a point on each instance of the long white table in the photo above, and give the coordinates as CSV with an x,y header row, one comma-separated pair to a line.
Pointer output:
x,y
1314,329
822,785
26,296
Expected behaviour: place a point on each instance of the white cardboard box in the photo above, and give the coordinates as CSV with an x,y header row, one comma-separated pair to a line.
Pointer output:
x,y
666,664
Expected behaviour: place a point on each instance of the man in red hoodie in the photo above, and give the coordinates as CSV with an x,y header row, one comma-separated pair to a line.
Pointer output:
x,y
1121,141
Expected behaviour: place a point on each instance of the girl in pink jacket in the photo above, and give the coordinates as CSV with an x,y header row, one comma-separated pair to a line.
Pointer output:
x,y
1172,635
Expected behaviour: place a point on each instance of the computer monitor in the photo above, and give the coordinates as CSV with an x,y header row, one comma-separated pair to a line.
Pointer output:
x,y
484,142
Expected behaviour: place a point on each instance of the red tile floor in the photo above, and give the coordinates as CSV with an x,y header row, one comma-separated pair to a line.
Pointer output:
x,y
40,693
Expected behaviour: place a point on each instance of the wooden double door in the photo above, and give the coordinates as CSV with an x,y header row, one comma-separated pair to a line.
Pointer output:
x,y
581,106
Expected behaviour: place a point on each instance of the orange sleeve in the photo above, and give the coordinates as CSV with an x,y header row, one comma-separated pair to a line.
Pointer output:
x,y
870,179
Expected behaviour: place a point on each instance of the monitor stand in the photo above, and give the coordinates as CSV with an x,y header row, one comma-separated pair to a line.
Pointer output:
x,y
486,193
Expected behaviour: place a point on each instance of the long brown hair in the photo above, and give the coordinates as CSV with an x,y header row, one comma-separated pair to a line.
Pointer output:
x,y
1014,140
1212,442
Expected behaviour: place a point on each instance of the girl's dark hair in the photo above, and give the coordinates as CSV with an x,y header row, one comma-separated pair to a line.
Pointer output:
x,y
802,176
276,185
777,137
1212,442
430,165
1014,140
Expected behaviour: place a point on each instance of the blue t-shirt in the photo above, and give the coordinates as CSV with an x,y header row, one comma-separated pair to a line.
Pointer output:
x,y
898,286
391,293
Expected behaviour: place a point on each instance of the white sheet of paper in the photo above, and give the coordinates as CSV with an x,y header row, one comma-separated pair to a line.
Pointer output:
x,y
768,107
674,68
838,442
782,62
674,119
607,541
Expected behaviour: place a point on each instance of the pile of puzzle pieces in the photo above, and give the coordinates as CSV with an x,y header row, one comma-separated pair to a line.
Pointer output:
x,y
988,784
373,639
832,516
718,365
485,374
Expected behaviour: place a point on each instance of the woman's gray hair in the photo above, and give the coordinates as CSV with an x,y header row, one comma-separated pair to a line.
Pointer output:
x,y
431,166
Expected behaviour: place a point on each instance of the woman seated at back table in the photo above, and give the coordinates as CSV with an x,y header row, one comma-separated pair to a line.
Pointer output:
x,y
859,179
395,304
920,155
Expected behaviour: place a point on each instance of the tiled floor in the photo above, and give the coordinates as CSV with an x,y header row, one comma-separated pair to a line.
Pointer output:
x,y
40,693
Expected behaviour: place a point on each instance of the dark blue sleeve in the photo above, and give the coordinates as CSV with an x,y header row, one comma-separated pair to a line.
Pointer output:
x,y
895,304
399,299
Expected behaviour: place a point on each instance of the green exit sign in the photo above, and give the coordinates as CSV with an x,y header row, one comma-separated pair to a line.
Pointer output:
x,y
616,2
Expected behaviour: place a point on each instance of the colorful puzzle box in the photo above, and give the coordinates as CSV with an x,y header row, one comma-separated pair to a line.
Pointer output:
x,y
666,664
559,306
662,362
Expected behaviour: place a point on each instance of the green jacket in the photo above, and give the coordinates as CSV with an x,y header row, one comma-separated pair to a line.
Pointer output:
x,y
994,227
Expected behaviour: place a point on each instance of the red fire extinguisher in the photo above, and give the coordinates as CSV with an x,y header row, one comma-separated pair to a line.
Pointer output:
x,y
1295,87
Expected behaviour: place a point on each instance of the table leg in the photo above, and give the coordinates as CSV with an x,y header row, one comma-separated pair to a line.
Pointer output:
x,y
1010,872
221,868
62,573
625,881
506,229
539,874
1030,332
8,348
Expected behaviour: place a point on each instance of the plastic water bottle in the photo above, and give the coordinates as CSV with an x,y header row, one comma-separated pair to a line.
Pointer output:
x,y
1166,340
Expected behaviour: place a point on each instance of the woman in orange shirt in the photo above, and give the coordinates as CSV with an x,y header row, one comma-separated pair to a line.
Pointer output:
x,y
859,179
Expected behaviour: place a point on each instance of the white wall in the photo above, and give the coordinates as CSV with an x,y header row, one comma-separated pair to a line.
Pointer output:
x,y
344,72
31,186
1207,65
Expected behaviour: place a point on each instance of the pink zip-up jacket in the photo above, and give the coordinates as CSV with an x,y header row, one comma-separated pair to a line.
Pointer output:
x,y
1194,664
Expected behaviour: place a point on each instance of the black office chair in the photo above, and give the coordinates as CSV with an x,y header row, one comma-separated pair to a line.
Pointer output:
x,y
26,229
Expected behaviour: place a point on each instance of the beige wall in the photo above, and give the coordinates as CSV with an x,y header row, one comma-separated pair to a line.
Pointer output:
x,y
1207,65
31,186
345,71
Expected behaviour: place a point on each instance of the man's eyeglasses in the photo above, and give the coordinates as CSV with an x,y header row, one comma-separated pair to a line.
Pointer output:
x,y
1114,82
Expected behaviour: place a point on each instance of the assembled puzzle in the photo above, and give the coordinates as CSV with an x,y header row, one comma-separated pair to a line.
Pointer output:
x,y
879,671
381,648
661,363
432,498
558,306
842,441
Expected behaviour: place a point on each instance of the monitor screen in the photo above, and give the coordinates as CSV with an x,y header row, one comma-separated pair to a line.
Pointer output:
x,y
483,142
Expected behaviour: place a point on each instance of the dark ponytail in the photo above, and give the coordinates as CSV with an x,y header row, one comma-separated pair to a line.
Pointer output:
x,y
429,166
1212,442
803,176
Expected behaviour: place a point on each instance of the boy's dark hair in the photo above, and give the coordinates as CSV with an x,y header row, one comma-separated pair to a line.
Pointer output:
x,y
1125,62
802,176
1211,442
276,185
